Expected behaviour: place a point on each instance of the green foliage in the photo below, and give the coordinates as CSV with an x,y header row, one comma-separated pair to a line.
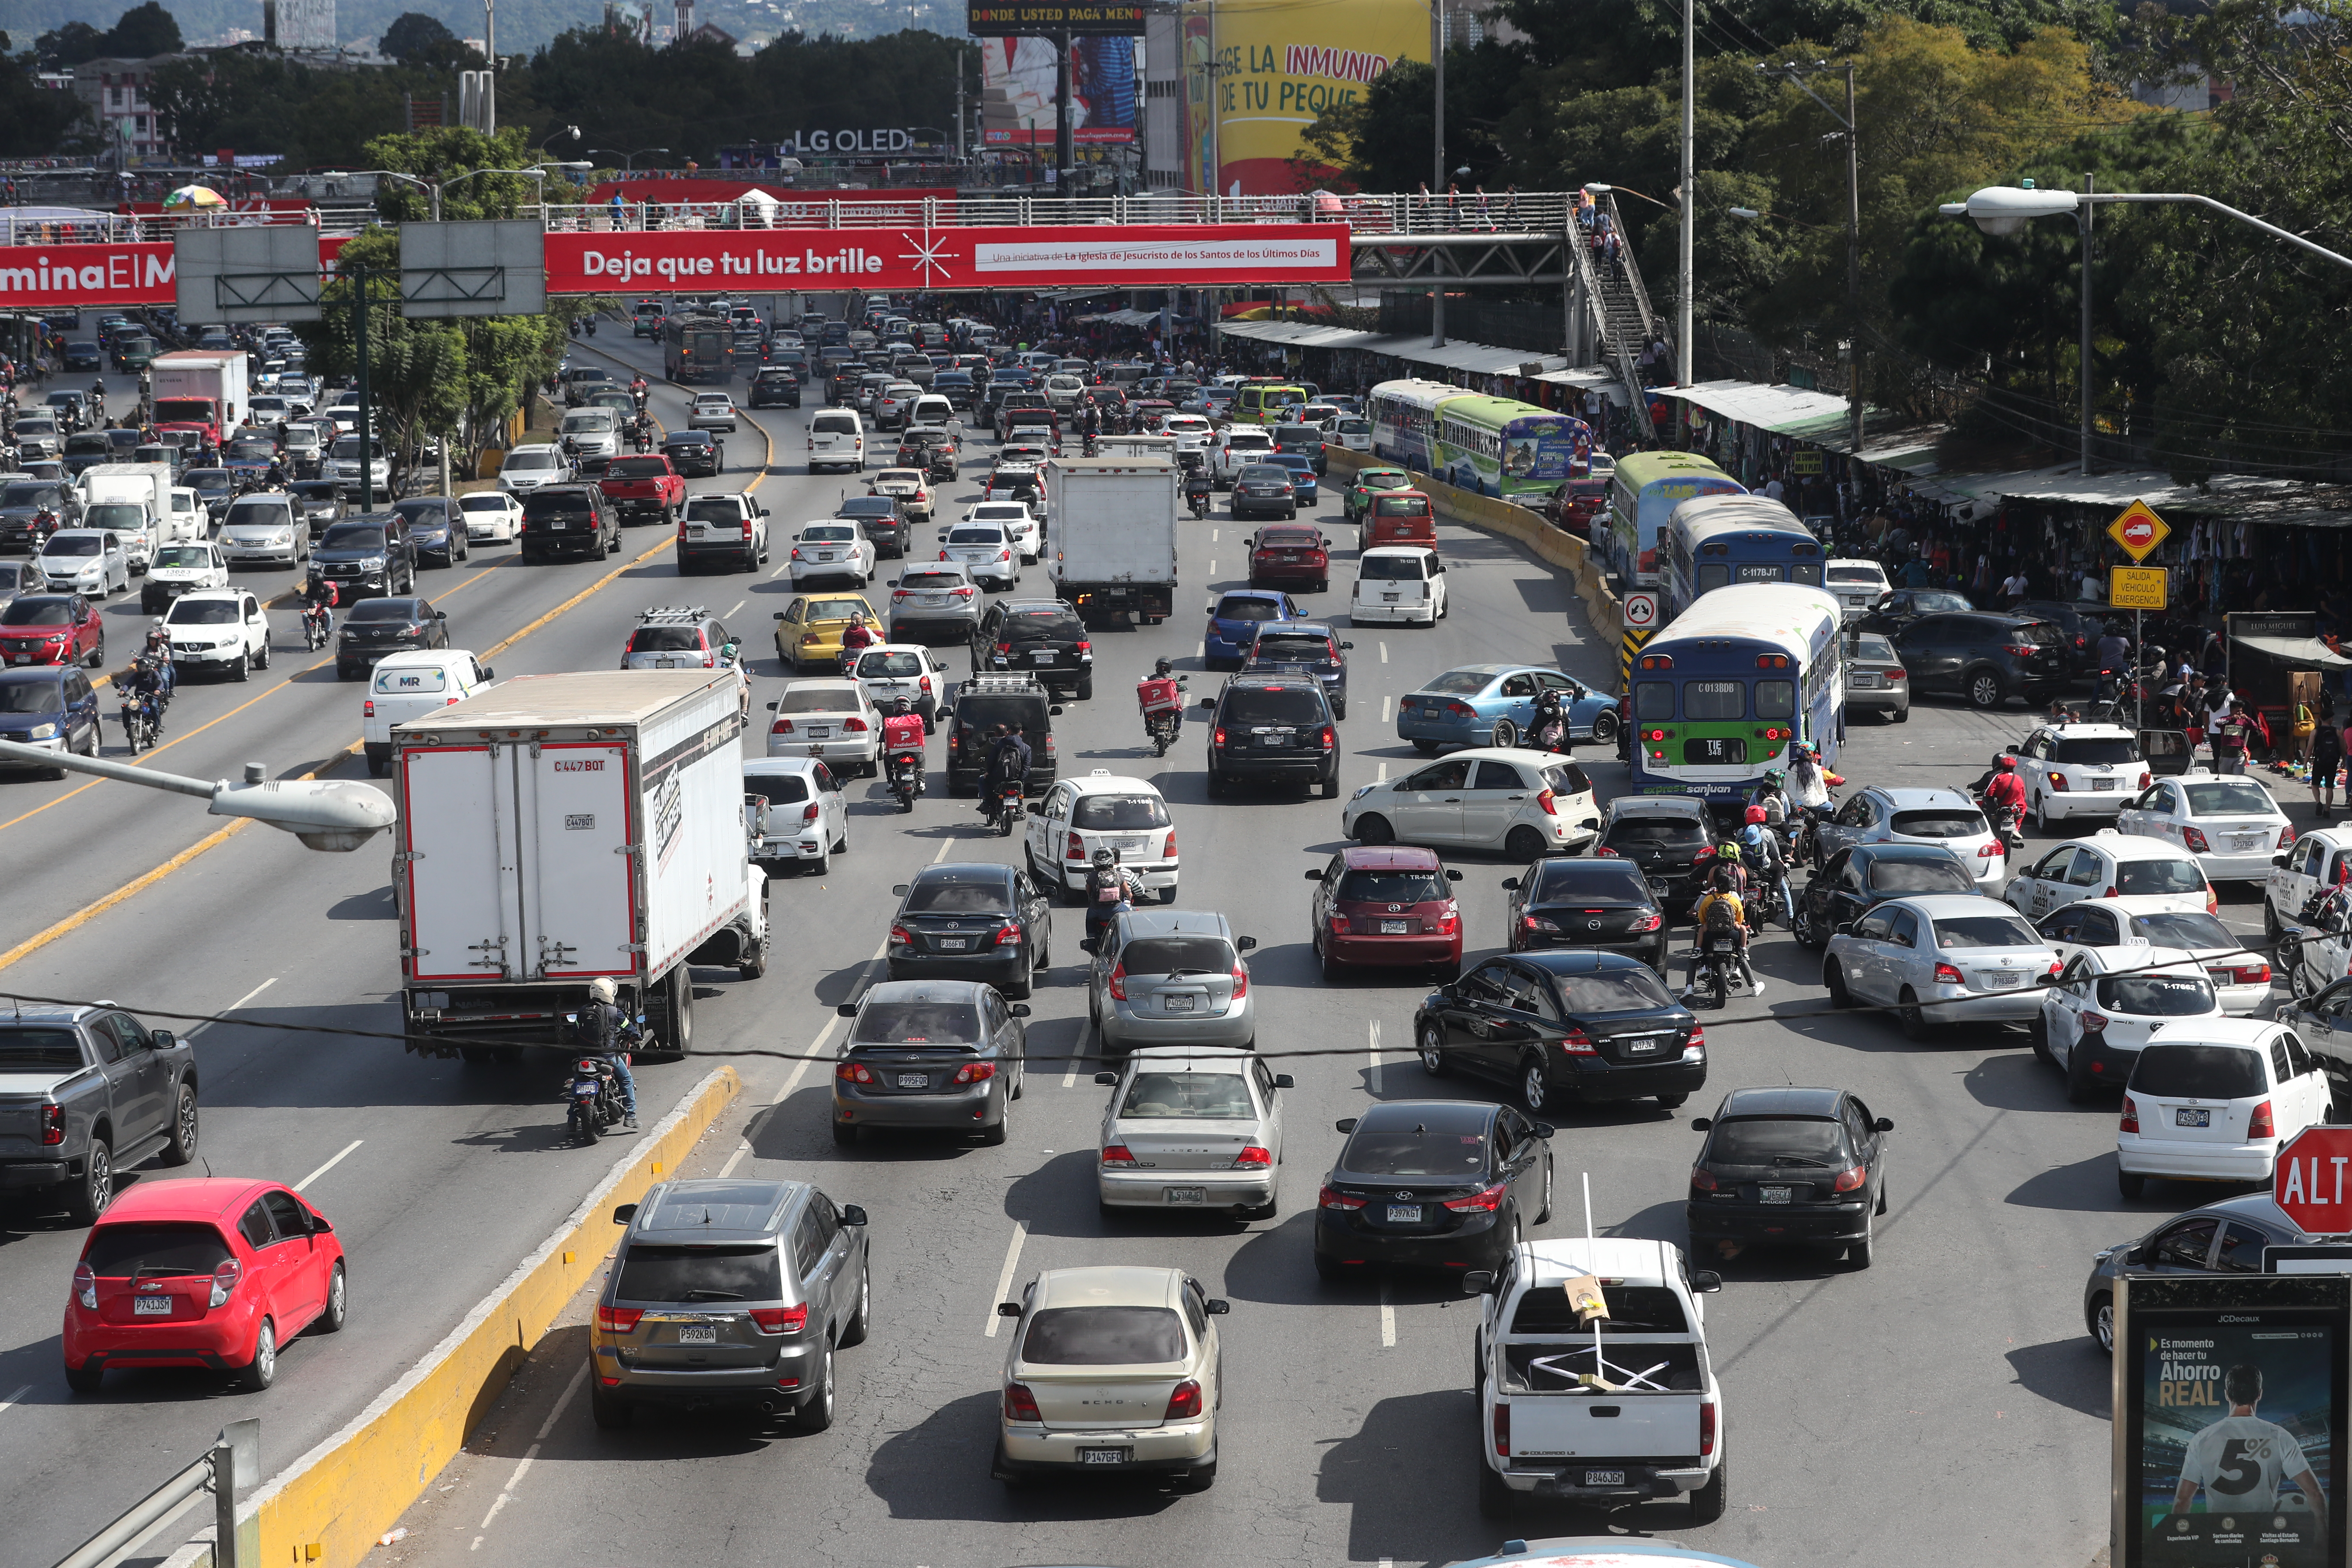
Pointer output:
x,y
144,30
258,100
34,120
1381,140
416,39
442,155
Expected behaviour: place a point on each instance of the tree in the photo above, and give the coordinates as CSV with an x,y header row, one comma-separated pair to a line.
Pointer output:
x,y
418,40
313,119
1382,141
143,32
34,120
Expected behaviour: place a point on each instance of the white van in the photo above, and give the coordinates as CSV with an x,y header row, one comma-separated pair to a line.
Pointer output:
x,y
189,519
1403,583
405,685
836,440
931,408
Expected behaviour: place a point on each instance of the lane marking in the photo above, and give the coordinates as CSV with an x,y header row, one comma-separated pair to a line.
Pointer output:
x,y
232,1007
945,844
1004,1277
1212,535
1388,1317
1384,653
1085,1038
737,605
10,1403
1212,566
329,1165
1372,1049
734,1160
1383,777
571,1392
1384,706
1201,650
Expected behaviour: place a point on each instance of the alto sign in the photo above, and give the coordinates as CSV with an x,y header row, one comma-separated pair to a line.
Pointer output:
x,y
2309,1182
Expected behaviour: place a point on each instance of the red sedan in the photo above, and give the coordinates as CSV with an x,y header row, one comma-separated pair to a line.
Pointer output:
x,y
1283,557
52,629
1389,907
218,1272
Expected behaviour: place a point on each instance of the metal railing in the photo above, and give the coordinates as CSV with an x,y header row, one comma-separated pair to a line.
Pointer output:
x,y
115,229
233,1462
1527,215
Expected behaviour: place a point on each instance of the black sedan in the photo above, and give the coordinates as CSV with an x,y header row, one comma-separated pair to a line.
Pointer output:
x,y
1433,1184
945,1054
696,454
1898,609
1854,879
378,627
321,503
2227,1237
1789,1165
434,528
972,922
1605,904
1564,1025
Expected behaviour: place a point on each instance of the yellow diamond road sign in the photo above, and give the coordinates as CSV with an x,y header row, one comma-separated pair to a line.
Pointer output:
x,y
2138,532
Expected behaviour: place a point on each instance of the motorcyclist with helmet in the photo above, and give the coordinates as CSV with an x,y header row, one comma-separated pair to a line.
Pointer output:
x,y
318,602
1761,848
1722,919
1008,763
1548,732
902,739
1157,694
1110,888
1725,855
2002,797
603,1030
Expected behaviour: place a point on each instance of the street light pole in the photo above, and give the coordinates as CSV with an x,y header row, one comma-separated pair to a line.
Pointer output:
x,y
1685,263
1437,188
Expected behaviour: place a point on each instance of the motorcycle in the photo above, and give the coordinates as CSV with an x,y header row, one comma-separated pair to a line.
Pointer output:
x,y
592,1096
318,625
905,779
1161,725
1714,967
2004,817
1196,496
141,721
1802,833
1008,806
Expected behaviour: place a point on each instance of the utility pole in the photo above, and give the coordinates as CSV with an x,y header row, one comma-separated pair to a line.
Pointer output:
x,y
360,277
2083,373
1437,188
1686,266
959,144
1062,113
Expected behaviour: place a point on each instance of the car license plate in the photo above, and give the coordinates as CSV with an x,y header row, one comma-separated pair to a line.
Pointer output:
x,y
819,732
932,601
697,530
1179,1003
2103,783
152,1306
1387,598
1865,682
2000,980
1184,1194
1604,1478
1045,656
1772,1195
1103,1455
954,943
2246,841
1405,1213
697,1334
1395,928
914,1080
1130,846
1272,741
2181,1118
558,524
1637,1047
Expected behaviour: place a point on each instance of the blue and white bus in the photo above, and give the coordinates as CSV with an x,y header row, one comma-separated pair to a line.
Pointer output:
x,y
1714,542
1729,688
1404,421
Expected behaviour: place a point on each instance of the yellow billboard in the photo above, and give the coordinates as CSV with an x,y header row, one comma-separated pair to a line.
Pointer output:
x,y
1280,64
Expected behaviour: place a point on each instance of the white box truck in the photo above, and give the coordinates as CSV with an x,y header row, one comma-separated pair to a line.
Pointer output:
x,y
198,389
147,486
1163,448
1110,535
559,828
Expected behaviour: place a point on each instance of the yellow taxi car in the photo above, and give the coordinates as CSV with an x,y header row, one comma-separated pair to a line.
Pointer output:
x,y
808,631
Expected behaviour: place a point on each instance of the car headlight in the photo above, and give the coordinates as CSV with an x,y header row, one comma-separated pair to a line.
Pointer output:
x,y
42,732
372,563
283,536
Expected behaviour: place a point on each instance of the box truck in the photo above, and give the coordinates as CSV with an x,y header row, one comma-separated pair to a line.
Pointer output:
x,y
1110,535
555,829
198,389
147,486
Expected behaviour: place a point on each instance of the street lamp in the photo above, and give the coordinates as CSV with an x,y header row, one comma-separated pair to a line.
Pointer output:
x,y
1852,132
2005,210
629,160
571,131
325,814
424,185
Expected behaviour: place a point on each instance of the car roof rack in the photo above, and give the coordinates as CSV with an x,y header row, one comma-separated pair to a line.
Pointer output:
x,y
671,612
999,685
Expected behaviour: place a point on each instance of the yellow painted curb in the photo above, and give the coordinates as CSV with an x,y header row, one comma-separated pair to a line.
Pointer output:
x,y
330,1507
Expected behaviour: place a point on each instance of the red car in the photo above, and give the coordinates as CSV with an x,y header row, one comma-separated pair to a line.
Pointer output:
x,y
1388,907
1283,557
52,629
218,1272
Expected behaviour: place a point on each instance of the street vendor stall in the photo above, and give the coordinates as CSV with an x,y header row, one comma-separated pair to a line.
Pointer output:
x,y
2277,663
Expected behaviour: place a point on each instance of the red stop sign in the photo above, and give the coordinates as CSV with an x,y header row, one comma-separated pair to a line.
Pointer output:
x,y
2312,1181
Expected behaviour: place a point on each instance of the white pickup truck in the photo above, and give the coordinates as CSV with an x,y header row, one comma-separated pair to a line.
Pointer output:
x,y
1628,1416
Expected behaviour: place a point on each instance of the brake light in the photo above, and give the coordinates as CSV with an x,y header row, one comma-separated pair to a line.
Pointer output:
x,y
85,1285
1219,739
1241,981
1460,710
975,1072
1576,1043
1008,934
1331,1200
1947,976
1119,1157
1989,851
367,708
1649,922
1705,1428
2260,1124
897,593
1169,853
854,1072
1118,982
2131,1122
619,1319
796,552
925,683
1183,1401
1331,737
1502,1429
2051,972
2212,902
1253,1157
1339,926
2252,974
1020,1404
943,555
779,1320
780,727
230,1271
1085,645
900,936
53,1124
963,593
2058,782
1004,556
1848,1179
1897,673
859,725
1702,1180
1549,805
2194,838
1483,1201
1077,850
2021,649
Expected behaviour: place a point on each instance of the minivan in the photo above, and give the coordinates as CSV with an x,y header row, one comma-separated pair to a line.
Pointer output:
x,y
405,685
1397,517
836,440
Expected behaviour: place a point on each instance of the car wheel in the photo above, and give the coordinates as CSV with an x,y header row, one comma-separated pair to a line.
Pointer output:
x,y
1431,1045
2038,1031
2101,1321
1543,1215
2035,816
339,1304
1908,1013
1902,714
1330,1273
2080,1086
183,1146
2131,1184
1523,844
1671,1101
262,1370
262,660
853,1332
1373,829
1987,691
1505,733
1706,1503
1426,747
1535,1087
1496,1499
1604,727
86,1378
1857,1253
844,1134
1833,976
89,1196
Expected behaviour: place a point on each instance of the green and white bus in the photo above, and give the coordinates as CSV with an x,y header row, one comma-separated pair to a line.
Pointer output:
x,y
1735,683
1642,496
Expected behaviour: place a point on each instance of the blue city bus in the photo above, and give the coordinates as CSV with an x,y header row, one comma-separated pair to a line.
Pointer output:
x,y
1732,685
1713,541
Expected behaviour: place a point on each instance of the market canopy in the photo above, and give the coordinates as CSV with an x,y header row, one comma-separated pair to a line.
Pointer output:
x,y
2290,635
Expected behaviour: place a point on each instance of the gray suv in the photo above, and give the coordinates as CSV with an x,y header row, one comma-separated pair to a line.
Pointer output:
x,y
729,1293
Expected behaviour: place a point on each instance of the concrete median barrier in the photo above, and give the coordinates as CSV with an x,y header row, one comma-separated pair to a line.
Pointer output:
x,y
330,1507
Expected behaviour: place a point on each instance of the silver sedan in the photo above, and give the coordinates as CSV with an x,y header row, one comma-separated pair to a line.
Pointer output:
x,y
1943,958
1191,1129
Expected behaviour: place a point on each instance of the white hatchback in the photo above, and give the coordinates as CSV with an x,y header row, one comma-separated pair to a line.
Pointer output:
x,y
987,550
1398,583
2078,769
2214,1100
2232,825
1015,518
492,517
2108,864
1856,586
528,468
1525,803
2106,1004
86,561
829,718
1103,810
802,816
893,671
835,547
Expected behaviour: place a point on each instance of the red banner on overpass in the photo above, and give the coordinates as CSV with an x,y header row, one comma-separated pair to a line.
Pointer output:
x,y
81,277
1102,256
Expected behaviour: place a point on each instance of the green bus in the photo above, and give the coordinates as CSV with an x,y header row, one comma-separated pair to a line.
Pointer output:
x,y
1642,496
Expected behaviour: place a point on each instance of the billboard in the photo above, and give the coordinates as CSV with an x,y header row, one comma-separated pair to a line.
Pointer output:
x,y
1280,64
1017,89
1011,18
71,276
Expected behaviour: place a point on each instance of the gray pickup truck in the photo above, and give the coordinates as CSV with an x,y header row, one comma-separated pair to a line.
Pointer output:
x,y
85,1092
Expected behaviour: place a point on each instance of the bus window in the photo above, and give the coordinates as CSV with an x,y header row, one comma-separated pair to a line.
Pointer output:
x,y
1714,575
1806,571
1714,699
1653,700
1776,700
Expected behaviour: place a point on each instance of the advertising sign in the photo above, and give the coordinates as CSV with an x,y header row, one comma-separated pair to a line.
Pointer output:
x,y
1016,91
1280,64
1045,256
74,277
2232,1390
1042,18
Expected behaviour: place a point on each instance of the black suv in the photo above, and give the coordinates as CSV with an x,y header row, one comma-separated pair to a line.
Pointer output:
x,y
368,555
1986,656
954,920
978,706
1272,727
1854,879
21,503
776,387
2081,633
569,519
886,524
696,454
1040,637
1665,834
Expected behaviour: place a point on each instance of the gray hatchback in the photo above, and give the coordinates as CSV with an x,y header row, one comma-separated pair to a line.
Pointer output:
x,y
731,1293
1172,977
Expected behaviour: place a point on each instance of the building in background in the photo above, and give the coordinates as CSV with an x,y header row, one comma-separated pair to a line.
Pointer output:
x,y
116,92
1164,163
299,23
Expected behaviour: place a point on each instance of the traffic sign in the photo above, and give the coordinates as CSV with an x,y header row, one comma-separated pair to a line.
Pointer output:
x,y
2309,1180
2137,532
1640,612
2139,587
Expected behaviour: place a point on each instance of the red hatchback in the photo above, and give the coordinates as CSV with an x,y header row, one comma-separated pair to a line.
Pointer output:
x,y
52,629
218,1272
1389,907
1283,557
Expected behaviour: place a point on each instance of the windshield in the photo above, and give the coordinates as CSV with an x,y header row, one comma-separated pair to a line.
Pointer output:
x,y
540,459
30,697
1191,1096
1456,1152
349,447
38,613
1103,1336
152,1250
2119,750
973,535
2190,932
1246,705
28,495
1777,1140
666,639
261,514
943,896
1117,811
2200,1073
487,500
1390,569
1941,822
1570,879
1984,931
879,664
202,613
1043,625
637,468
920,1024
73,544
1875,649
751,1273
1919,877
2157,995
352,536
1612,991
2159,877
2228,797
1857,574
383,610
207,481
1665,832
828,534
126,515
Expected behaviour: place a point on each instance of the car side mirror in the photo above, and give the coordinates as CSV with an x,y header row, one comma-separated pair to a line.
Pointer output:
x,y
901,890
624,1213
1346,1124
165,1039
852,1213
1845,929
1019,1009
771,708
1284,1080
1216,1307
1706,1281
2279,859
1208,703
1701,1123
1008,1309
1107,1079
486,672
440,615
1315,874
1453,875
1545,1130
779,615
847,1010
1345,647
1245,944
1885,1124
1054,711
1036,808
1478,1282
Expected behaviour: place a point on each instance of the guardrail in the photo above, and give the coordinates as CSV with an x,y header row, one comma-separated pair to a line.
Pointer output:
x,y
233,1462
115,229
1536,215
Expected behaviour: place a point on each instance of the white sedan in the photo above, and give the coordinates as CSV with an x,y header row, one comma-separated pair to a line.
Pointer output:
x,y
2232,825
892,670
1525,803
2239,972
492,517
829,718
1016,519
913,493
836,547
986,550
711,411
1940,958
2105,1005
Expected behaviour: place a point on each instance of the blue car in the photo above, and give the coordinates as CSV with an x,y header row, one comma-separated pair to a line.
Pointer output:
x,y
1302,475
1493,704
53,707
1233,621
